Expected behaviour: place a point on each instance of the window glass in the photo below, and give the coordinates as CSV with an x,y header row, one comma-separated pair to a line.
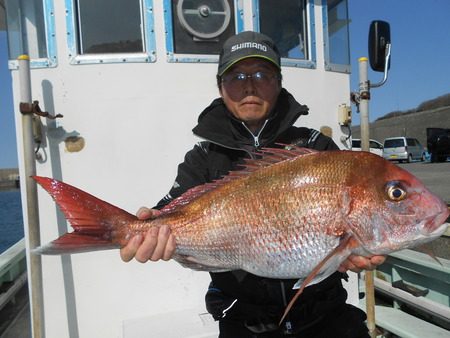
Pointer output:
x,y
356,143
26,28
338,35
109,26
394,143
201,26
291,37
374,145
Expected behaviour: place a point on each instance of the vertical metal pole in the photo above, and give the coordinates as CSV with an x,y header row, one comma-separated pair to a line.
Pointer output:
x,y
364,92
32,215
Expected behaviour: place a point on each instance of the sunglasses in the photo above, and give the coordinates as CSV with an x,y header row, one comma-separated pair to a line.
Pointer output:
x,y
259,78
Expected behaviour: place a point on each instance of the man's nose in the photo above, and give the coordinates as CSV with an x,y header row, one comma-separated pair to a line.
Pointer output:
x,y
249,85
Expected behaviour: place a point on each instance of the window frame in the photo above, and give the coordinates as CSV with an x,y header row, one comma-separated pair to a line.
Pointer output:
x,y
149,54
329,66
311,62
50,39
195,58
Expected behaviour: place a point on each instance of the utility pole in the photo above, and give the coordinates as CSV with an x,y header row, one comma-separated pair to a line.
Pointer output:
x,y
32,212
380,53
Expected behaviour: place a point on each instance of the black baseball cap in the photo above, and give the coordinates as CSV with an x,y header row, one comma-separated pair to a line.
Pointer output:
x,y
245,45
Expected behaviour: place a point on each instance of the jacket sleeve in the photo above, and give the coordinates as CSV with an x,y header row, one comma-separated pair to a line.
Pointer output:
x,y
192,171
319,141
306,137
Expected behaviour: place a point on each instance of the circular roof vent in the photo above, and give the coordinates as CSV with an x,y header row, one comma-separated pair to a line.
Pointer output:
x,y
204,19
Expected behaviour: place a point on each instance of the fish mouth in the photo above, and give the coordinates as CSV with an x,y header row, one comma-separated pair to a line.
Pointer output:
x,y
436,225
436,232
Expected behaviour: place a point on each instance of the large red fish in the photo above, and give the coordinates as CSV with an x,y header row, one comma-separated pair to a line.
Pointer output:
x,y
292,214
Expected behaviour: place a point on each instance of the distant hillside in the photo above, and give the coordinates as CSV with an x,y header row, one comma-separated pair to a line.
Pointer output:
x,y
411,123
439,102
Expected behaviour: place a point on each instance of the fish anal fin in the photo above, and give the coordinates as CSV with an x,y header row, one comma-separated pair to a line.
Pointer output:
x,y
191,263
343,249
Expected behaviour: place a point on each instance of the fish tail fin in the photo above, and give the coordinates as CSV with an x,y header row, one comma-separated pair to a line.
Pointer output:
x,y
94,221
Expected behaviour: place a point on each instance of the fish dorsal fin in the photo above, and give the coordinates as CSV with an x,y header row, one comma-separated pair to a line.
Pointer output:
x,y
262,158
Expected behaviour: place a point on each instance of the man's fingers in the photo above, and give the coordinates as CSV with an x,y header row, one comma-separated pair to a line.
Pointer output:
x,y
358,263
144,213
362,263
163,237
170,248
347,265
377,260
147,248
127,252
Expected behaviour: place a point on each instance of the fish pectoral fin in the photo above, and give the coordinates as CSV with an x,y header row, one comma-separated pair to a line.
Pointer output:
x,y
191,263
324,269
428,249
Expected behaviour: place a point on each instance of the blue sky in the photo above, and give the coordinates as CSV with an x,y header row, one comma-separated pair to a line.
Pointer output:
x,y
420,35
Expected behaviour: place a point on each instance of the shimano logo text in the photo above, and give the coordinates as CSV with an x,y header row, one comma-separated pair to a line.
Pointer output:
x,y
249,45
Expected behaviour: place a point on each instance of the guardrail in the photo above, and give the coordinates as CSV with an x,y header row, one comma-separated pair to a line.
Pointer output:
x,y
415,282
13,272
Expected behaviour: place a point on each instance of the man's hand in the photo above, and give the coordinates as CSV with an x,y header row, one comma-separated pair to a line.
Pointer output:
x,y
358,263
158,243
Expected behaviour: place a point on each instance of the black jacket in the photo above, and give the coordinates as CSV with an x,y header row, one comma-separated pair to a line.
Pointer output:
x,y
227,142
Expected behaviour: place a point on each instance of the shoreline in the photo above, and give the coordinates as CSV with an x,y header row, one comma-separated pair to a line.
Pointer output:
x,y
9,186
9,179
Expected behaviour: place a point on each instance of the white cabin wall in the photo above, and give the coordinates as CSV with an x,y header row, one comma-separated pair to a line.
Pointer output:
x,y
322,91
136,120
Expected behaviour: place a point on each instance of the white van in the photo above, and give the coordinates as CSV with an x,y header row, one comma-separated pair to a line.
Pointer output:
x,y
375,147
403,149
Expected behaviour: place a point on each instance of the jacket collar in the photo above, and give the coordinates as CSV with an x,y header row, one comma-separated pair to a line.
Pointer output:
x,y
218,125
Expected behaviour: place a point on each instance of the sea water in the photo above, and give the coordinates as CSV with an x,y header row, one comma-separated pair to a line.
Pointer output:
x,y
11,220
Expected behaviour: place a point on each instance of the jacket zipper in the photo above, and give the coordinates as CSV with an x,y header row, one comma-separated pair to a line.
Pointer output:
x,y
255,137
228,147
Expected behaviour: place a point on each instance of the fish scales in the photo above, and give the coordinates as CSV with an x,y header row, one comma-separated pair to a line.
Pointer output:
x,y
290,219
250,223
296,218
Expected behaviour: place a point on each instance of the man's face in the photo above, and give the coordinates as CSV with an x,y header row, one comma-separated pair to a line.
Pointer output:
x,y
251,99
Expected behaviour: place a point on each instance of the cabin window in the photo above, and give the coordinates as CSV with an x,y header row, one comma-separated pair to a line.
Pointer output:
x,y
336,35
116,30
110,31
294,37
30,30
197,29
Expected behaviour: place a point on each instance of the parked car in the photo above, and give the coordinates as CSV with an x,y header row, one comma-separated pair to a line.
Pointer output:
x,y
438,144
403,149
375,146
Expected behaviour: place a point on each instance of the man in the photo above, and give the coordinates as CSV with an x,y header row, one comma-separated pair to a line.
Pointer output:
x,y
254,111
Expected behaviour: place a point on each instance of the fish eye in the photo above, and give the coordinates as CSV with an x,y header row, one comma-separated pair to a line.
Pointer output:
x,y
396,192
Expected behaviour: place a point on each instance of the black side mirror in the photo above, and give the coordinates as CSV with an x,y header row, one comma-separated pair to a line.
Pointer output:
x,y
379,38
